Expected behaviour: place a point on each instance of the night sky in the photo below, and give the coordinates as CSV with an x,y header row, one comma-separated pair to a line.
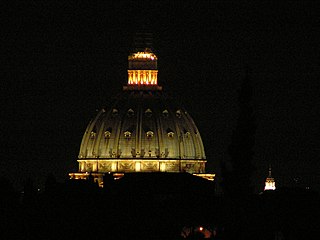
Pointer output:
x,y
64,60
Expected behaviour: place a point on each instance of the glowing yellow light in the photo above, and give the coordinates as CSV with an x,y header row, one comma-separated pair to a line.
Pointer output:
x,y
143,55
200,228
270,184
162,167
142,77
138,166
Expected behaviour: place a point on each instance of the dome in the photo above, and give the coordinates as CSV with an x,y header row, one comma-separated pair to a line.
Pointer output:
x,y
141,130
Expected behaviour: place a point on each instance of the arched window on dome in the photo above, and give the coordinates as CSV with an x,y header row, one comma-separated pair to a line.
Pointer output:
x,y
92,134
149,134
186,133
107,134
148,112
165,113
178,113
127,135
130,113
170,133
115,112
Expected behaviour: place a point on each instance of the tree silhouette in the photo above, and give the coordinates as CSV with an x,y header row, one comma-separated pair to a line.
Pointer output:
x,y
236,173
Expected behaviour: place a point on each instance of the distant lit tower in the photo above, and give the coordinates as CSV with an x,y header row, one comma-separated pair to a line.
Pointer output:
x,y
270,184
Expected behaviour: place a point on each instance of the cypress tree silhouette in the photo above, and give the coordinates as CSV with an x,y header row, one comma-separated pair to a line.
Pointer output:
x,y
237,173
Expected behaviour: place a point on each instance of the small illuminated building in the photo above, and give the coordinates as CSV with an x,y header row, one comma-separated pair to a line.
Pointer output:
x,y
270,183
142,130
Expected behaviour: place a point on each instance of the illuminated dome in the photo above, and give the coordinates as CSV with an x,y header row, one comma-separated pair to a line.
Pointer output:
x,y
141,130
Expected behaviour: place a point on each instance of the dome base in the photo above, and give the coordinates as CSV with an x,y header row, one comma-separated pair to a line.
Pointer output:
x,y
141,165
99,177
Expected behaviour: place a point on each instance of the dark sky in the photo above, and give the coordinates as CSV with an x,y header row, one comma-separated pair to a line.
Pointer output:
x,y
64,60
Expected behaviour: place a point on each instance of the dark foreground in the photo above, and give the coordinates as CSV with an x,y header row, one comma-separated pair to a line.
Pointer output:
x,y
140,210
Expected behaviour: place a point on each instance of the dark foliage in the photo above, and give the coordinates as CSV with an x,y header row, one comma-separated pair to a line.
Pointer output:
x,y
237,173
135,209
